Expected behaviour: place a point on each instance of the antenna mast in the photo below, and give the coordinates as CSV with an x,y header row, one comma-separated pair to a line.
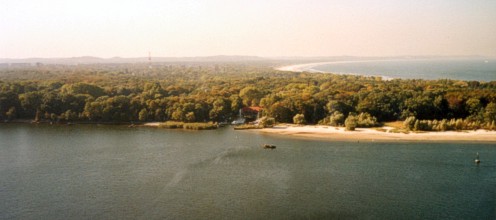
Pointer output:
x,y
149,59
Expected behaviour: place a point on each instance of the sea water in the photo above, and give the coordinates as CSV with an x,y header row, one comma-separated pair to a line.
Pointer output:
x,y
478,69
115,172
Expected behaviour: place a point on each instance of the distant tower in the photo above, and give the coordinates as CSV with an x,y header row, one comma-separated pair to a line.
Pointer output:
x,y
149,59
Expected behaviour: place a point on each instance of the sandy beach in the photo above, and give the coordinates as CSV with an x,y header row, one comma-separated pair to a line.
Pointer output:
x,y
368,134
309,67
302,67
151,124
371,134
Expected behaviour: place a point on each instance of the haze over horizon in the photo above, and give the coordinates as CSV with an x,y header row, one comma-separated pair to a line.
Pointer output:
x,y
187,28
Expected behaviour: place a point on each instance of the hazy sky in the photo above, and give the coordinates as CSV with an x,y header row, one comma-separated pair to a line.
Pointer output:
x,y
65,28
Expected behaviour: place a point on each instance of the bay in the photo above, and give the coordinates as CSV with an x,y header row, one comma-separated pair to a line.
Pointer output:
x,y
478,69
116,172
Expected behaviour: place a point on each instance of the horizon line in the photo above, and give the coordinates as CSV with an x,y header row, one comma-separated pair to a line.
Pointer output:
x,y
252,56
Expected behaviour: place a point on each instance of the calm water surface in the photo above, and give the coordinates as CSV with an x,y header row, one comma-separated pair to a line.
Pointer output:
x,y
460,69
112,172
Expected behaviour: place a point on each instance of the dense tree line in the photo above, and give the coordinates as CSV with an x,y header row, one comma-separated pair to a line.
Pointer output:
x,y
215,92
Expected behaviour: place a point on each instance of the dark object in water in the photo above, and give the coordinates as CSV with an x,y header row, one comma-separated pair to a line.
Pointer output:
x,y
269,146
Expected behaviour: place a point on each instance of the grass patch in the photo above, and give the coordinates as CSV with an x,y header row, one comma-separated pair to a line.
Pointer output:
x,y
397,131
245,127
171,124
381,129
191,126
395,124
200,126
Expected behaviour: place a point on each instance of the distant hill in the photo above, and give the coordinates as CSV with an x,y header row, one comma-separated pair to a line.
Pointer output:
x,y
92,60
220,58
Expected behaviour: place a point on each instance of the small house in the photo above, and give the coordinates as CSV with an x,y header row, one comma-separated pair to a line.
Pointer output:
x,y
251,113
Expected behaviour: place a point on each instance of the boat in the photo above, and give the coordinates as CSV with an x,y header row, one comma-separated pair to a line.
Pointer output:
x,y
477,160
239,121
269,146
223,124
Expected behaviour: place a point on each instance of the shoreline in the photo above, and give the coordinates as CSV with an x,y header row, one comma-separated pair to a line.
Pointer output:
x,y
371,134
309,67
330,133
303,67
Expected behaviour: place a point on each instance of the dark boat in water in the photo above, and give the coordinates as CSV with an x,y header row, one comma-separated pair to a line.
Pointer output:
x,y
269,146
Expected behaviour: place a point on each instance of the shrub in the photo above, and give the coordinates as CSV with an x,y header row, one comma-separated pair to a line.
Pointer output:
x,y
299,119
365,120
350,122
409,123
191,126
267,122
247,126
171,124
200,126
336,119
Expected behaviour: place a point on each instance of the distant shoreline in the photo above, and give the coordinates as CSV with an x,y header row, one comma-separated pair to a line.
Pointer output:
x,y
301,67
427,69
310,66
371,134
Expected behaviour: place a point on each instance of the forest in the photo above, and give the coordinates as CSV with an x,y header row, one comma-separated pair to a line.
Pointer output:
x,y
215,92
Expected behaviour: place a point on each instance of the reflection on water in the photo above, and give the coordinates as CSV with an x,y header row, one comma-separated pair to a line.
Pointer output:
x,y
102,172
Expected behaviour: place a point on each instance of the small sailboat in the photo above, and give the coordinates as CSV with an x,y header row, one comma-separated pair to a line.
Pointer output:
x,y
477,160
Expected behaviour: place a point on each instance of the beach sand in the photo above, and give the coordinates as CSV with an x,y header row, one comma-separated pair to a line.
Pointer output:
x,y
151,124
302,67
368,134
309,67
371,134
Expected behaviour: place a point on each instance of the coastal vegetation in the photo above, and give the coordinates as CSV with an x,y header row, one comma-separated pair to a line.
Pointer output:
x,y
215,92
264,122
189,125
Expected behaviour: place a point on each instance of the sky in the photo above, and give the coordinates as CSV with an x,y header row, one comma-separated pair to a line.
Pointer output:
x,y
267,28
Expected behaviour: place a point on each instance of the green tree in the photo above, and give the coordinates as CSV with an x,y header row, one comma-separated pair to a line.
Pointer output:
x,y
250,95
299,119
83,88
236,104
336,119
178,115
11,114
382,105
280,112
364,119
143,115
473,106
31,103
490,112
267,122
190,117
350,122
339,106
220,109
409,123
